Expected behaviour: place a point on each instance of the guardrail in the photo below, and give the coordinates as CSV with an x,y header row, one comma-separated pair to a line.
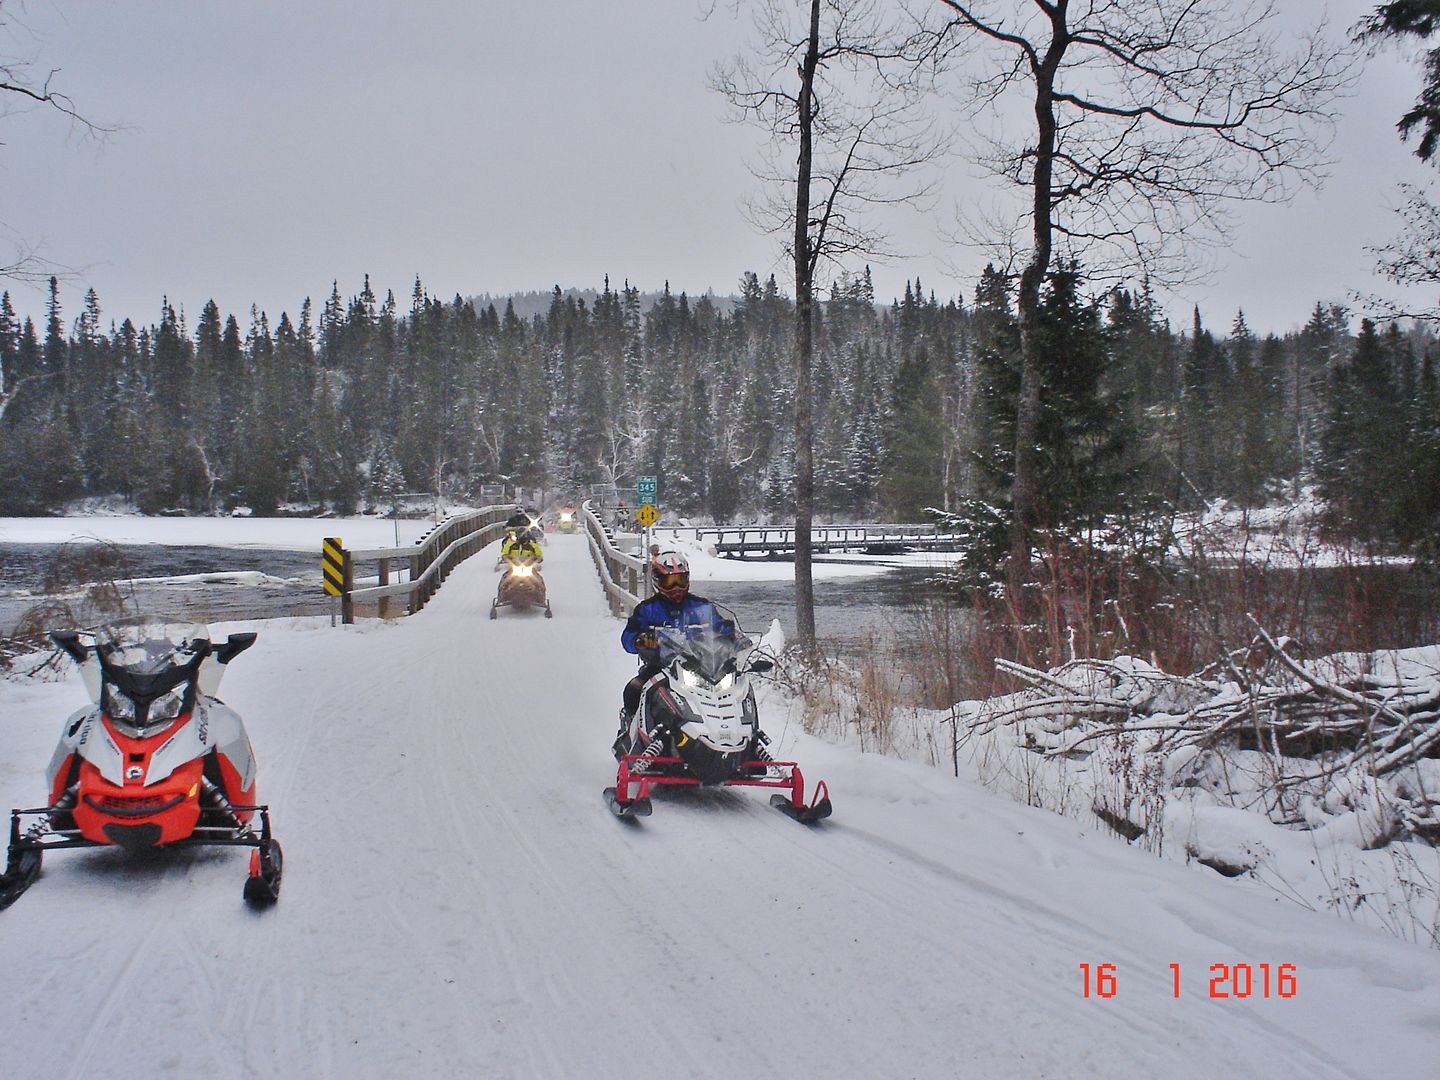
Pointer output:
x,y
621,573
428,561
780,539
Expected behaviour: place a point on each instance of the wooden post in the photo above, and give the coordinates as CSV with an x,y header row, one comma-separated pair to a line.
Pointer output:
x,y
385,580
347,602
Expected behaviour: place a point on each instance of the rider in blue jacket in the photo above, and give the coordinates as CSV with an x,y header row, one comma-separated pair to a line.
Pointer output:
x,y
672,605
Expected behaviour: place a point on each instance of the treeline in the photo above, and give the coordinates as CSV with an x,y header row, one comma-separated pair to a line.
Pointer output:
x,y
914,405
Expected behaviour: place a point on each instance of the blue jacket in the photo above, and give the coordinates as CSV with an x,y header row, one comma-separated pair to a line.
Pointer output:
x,y
658,611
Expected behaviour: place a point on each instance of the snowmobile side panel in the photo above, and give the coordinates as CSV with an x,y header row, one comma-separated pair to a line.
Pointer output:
x,y
227,734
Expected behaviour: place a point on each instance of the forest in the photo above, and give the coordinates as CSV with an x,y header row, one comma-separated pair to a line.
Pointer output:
x,y
345,409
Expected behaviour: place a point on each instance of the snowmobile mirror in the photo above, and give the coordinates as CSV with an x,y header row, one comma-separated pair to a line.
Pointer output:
x,y
234,645
69,640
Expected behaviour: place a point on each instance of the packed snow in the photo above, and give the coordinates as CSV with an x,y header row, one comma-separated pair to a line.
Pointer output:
x,y
458,902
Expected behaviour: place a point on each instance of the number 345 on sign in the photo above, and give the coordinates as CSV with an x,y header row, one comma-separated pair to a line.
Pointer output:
x,y
1239,981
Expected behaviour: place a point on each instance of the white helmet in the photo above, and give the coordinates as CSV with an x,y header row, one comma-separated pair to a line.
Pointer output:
x,y
670,574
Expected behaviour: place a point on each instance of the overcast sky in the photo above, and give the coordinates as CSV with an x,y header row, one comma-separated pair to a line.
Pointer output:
x,y
269,147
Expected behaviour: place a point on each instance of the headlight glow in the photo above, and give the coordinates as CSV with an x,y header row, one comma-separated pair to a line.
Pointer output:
x,y
726,682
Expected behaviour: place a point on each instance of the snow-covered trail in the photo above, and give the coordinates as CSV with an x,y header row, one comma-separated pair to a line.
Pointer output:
x,y
458,902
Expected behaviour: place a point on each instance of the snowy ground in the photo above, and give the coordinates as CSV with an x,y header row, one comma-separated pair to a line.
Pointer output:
x,y
458,902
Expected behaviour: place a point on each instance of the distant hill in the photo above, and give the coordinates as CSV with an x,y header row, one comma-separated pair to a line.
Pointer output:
x,y
530,304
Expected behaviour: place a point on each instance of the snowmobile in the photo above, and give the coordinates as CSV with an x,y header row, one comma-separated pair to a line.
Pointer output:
x,y
703,728
521,587
565,520
156,761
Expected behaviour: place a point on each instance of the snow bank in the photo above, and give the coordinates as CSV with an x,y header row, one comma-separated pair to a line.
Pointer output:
x,y
1279,785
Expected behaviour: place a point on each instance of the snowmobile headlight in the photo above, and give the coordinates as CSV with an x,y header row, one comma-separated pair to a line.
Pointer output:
x,y
689,677
726,682
166,707
565,515
523,571
118,706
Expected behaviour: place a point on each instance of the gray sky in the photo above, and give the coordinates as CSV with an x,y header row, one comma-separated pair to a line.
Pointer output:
x,y
271,146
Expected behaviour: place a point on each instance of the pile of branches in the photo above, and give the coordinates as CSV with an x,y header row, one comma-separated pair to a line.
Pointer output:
x,y
1345,714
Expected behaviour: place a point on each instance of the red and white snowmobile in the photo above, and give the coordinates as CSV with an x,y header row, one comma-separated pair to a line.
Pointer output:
x,y
697,726
156,761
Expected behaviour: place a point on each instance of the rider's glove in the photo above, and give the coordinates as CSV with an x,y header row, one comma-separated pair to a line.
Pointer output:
x,y
647,641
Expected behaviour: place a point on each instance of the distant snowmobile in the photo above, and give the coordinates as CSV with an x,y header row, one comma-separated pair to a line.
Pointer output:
x,y
521,587
157,761
701,709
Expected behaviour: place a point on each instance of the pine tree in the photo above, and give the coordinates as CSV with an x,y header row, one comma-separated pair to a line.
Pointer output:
x,y
1355,467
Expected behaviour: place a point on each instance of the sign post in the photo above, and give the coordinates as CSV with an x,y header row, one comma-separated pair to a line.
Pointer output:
x,y
647,489
647,515
332,569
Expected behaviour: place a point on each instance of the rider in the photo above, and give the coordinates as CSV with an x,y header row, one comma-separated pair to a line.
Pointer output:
x,y
674,605
522,546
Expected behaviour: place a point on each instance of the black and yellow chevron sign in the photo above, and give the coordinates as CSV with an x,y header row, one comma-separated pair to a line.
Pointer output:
x,y
333,565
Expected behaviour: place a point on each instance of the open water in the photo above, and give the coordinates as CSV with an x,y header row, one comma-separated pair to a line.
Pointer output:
x,y
849,611
293,584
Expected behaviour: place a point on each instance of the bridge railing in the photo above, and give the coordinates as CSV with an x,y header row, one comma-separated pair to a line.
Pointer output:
x,y
743,539
426,563
621,573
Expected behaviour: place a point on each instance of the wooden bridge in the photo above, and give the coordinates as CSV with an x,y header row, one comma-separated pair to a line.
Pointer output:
x,y
776,541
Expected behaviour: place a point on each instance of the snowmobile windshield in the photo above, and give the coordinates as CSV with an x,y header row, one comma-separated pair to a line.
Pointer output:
x,y
709,641
148,649
148,669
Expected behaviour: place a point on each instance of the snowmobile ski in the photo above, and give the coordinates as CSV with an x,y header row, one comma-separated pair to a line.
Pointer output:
x,y
22,869
817,811
262,887
632,809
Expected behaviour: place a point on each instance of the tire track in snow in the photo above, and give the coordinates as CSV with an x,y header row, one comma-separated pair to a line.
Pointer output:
x,y
101,1013
497,752
509,765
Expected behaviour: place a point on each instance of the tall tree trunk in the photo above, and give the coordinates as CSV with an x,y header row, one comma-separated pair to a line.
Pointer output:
x,y
804,344
1024,494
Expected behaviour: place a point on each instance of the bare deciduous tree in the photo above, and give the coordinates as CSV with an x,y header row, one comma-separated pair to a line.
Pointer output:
x,y
1412,258
838,84
1146,120
21,85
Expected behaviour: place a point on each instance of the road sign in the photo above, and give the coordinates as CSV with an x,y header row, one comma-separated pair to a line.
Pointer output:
x,y
332,565
647,515
646,488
